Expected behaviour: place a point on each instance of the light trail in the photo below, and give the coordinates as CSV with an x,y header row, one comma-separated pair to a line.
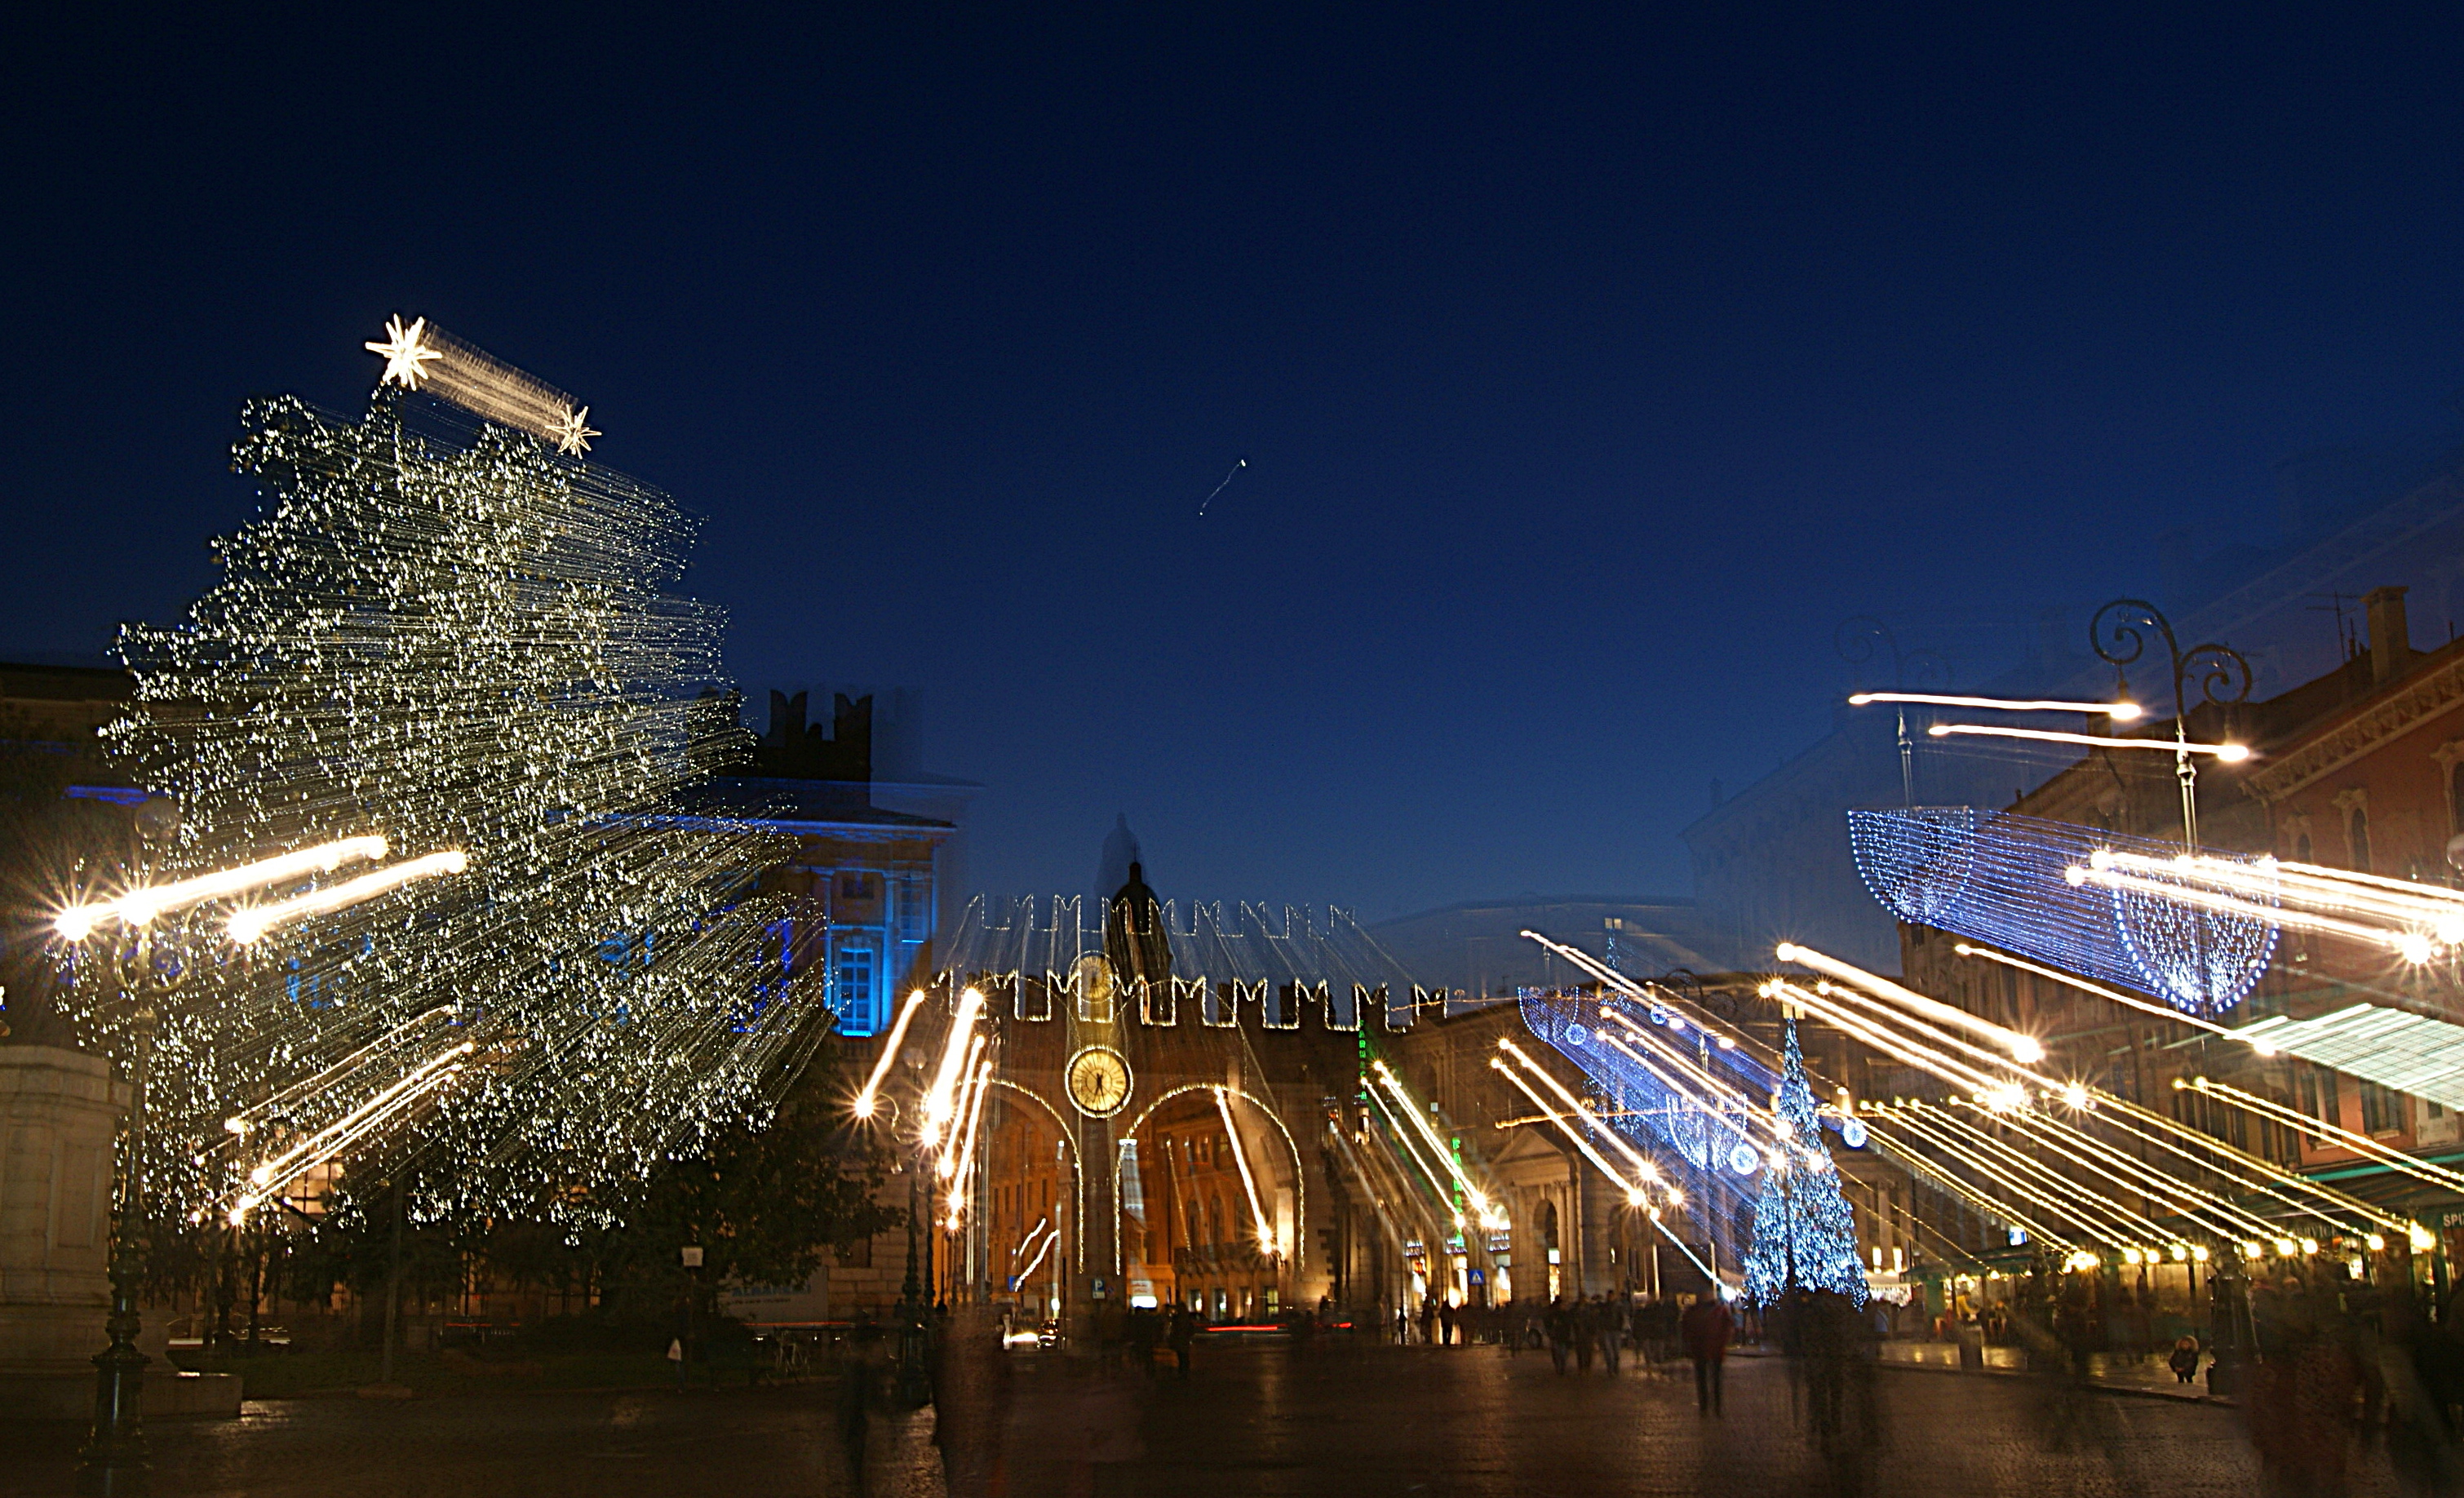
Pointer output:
x,y
2120,712
2123,1122
867,1100
2412,946
1028,1273
244,1121
981,1087
1635,1196
2092,1224
954,1052
2118,1215
2181,1198
1248,1182
2268,1107
2164,1011
2023,1047
2230,754
1922,1057
1644,1167
328,1142
1482,1205
1950,1183
140,907
1699,1105
945,1164
1436,1179
250,921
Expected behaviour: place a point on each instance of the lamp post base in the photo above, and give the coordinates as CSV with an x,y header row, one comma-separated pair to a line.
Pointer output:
x,y
115,1461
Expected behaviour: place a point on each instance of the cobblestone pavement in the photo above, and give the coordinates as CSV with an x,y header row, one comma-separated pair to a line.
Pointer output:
x,y
1254,1421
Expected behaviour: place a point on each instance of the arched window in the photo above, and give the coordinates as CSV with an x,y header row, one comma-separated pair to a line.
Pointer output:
x,y
1548,1225
2301,848
1214,1222
2357,833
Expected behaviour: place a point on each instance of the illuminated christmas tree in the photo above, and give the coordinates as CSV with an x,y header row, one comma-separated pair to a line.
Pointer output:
x,y
1804,1236
459,635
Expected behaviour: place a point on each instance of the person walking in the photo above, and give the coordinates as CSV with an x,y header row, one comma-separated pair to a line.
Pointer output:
x,y
1445,1323
1182,1333
2185,1361
1559,1325
1428,1320
1612,1335
1704,1329
1586,1329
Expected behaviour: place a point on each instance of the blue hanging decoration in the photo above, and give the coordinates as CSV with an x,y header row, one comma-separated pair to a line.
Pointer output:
x,y
1805,1238
1997,877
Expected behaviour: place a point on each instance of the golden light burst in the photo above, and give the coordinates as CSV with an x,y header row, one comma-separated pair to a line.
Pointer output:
x,y
404,354
572,434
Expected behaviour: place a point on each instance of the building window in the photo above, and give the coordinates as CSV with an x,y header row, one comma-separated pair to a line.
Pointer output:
x,y
2315,1088
2382,1110
853,981
2301,848
2357,834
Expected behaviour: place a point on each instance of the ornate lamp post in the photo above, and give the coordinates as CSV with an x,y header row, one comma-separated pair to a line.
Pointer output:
x,y
2119,636
1866,638
115,1460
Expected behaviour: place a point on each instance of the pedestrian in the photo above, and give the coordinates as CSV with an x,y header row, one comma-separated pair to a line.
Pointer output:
x,y
1612,1335
1182,1333
1428,1320
1704,1329
1144,1330
2185,1361
1445,1323
1586,1331
1559,1325
857,1376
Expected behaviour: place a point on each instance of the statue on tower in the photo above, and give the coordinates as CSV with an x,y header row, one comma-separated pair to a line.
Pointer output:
x,y
1134,939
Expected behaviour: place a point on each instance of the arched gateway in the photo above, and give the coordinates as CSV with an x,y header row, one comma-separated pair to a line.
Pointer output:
x,y
1168,1102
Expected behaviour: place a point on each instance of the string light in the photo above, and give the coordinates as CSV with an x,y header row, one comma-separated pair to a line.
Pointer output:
x,y
1805,1237
2022,1048
1999,879
1248,1182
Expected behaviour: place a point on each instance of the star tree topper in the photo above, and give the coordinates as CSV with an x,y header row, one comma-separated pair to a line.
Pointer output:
x,y
405,354
572,434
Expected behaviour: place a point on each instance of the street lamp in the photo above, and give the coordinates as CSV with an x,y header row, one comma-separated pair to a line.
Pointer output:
x,y
114,1461
2119,635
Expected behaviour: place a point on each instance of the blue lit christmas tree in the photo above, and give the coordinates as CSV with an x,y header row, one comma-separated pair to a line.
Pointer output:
x,y
1804,1236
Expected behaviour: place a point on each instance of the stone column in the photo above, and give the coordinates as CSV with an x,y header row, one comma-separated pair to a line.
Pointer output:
x,y
58,1112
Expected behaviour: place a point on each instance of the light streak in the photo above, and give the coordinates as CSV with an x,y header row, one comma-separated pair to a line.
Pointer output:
x,y
1435,1179
242,1121
2425,910
1049,1239
2230,754
2395,1159
1032,1234
2122,1121
2412,946
2129,1222
2022,1048
1709,1110
1478,1199
251,922
2090,1224
946,1165
2120,1168
2121,711
1924,1057
1643,1166
963,1180
868,1099
2164,1011
354,1125
1950,1182
140,907
953,1054
1635,1195
1248,1182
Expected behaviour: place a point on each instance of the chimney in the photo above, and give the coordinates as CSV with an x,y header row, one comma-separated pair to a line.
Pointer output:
x,y
2390,640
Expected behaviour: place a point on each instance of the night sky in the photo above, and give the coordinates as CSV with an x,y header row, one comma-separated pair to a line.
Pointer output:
x,y
1590,369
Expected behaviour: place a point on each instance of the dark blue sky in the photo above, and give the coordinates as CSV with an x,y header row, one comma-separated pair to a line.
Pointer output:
x,y
1592,367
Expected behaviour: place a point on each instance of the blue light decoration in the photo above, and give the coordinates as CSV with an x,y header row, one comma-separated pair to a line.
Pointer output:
x,y
1744,1159
1805,1238
1997,877
1852,1133
1641,1106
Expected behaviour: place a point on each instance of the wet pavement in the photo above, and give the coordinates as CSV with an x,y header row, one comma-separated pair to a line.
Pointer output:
x,y
1254,1421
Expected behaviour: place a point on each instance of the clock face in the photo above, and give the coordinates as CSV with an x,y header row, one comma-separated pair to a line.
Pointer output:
x,y
1099,1081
